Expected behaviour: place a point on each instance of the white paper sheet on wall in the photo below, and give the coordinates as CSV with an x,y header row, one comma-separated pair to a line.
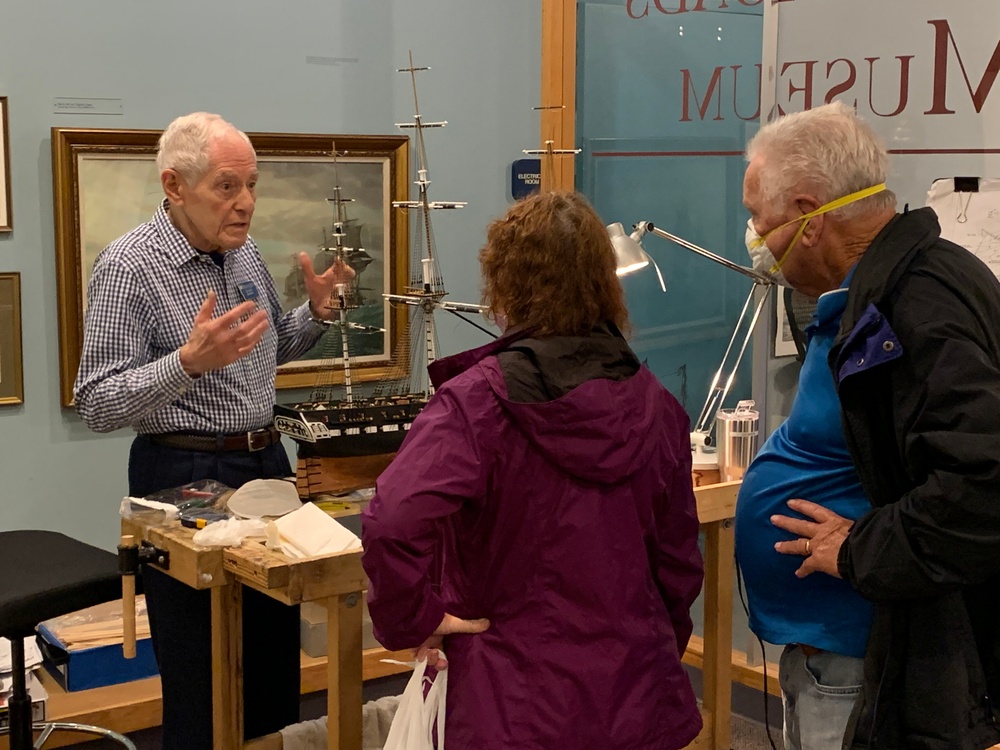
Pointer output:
x,y
970,219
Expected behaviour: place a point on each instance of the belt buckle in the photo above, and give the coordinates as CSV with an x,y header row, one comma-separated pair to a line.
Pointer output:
x,y
252,445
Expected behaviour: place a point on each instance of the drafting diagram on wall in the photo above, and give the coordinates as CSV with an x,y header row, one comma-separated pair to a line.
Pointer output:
x,y
969,212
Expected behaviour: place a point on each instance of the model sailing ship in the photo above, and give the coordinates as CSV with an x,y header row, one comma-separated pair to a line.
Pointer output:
x,y
342,242
376,424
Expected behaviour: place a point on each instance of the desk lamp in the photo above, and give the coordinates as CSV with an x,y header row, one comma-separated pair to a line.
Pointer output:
x,y
631,257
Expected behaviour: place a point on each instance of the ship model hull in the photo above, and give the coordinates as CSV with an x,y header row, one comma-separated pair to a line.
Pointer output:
x,y
338,429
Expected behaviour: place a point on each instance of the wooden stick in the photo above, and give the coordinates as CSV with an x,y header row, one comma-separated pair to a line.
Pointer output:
x,y
89,640
95,643
98,629
113,632
85,628
128,605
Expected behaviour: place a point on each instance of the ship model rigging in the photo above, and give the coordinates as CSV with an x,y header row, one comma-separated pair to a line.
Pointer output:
x,y
374,424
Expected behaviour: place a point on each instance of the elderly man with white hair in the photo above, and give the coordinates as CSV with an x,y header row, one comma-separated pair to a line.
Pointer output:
x,y
183,335
915,365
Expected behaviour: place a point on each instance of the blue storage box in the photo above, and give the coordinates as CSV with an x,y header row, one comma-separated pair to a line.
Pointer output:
x,y
79,667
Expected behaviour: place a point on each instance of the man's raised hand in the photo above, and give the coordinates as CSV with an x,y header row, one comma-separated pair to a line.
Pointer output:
x,y
216,342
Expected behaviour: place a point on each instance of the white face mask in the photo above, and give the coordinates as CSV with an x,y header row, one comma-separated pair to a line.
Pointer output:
x,y
762,258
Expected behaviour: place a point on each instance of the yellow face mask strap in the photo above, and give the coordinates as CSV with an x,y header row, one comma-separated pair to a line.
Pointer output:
x,y
831,206
795,240
845,201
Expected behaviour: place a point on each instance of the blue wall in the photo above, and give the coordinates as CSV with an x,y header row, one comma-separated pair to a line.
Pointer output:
x,y
246,61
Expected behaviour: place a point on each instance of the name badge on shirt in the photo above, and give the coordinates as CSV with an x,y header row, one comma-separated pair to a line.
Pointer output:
x,y
248,291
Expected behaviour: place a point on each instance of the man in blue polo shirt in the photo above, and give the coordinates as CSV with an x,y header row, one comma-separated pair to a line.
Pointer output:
x,y
822,622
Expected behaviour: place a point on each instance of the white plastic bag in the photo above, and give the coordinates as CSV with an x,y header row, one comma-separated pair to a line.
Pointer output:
x,y
413,725
228,533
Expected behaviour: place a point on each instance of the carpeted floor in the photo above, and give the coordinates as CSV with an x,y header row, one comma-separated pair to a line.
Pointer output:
x,y
747,734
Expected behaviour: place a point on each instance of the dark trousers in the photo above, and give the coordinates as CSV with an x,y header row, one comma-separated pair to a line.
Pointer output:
x,y
180,617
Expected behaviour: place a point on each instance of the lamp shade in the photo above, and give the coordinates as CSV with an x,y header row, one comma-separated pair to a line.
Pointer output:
x,y
629,255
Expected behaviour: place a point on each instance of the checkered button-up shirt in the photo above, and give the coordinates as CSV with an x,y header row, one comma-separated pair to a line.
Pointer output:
x,y
142,299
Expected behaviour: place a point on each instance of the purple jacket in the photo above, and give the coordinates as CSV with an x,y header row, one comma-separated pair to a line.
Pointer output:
x,y
571,525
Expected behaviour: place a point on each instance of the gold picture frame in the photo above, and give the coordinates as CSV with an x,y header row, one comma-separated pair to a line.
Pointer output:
x,y
6,209
105,183
11,364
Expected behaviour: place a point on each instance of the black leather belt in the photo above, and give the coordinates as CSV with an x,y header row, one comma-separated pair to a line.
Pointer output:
x,y
241,441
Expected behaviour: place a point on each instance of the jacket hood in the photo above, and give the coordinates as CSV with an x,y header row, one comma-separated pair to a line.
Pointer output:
x,y
600,427
444,369
601,431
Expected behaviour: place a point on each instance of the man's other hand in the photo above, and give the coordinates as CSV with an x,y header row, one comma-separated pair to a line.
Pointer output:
x,y
216,342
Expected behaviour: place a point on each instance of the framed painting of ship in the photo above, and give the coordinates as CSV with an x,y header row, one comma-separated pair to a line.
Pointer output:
x,y
6,222
105,183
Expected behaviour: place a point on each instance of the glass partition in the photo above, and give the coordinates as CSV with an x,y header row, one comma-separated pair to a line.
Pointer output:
x,y
667,96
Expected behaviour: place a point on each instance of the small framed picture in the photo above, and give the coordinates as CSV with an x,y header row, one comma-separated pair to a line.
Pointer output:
x,y
6,222
11,369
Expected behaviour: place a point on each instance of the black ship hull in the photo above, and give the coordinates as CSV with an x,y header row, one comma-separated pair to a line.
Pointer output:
x,y
337,429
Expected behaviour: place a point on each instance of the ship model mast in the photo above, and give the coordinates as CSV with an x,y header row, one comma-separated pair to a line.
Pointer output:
x,y
345,297
549,152
426,291
337,435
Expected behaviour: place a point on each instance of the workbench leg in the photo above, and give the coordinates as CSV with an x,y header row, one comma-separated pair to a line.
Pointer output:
x,y
227,666
717,666
343,648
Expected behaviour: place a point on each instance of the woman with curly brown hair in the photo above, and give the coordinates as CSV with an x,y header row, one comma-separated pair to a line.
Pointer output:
x,y
546,491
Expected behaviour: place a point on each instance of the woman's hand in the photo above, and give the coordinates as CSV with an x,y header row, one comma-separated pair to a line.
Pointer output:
x,y
449,625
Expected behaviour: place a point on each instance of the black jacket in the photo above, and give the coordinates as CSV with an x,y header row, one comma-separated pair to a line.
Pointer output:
x,y
917,367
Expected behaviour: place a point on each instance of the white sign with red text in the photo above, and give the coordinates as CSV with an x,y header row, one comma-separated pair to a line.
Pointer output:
x,y
924,73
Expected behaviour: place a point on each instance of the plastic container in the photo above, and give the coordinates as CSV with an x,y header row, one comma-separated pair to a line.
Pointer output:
x,y
736,433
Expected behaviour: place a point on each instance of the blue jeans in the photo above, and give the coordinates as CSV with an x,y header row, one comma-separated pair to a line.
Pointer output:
x,y
818,692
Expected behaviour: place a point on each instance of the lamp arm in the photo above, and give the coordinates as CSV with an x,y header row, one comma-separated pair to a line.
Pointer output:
x,y
723,379
759,278
726,374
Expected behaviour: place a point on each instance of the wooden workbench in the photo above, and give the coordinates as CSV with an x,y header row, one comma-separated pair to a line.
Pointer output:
x,y
337,581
